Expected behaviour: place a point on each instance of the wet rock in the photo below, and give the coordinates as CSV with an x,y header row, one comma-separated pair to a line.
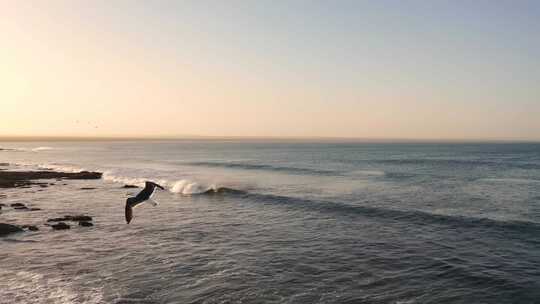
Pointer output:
x,y
3,205
85,224
15,205
34,209
129,186
10,179
60,226
4,164
21,208
6,229
88,188
43,185
52,184
30,227
74,218
56,219
78,218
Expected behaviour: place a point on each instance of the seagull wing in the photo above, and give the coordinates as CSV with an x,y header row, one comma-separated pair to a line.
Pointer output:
x,y
156,185
146,192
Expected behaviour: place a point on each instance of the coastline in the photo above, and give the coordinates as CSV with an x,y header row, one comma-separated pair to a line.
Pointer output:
x,y
18,179
42,179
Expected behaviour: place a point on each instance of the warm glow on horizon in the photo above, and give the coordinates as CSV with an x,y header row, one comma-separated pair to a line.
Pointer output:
x,y
343,69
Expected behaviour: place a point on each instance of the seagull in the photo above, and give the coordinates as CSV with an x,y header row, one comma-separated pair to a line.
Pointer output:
x,y
143,196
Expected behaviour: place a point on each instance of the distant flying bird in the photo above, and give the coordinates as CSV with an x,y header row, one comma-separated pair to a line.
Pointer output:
x,y
143,196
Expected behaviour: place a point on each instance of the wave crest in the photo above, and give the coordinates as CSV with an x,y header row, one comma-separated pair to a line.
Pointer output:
x,y
188,187
263,167
38,149
61,168
182,186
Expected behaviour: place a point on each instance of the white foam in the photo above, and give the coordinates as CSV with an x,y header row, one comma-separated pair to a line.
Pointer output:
x,y
188,187
61,168
183,186
38,149
111,177
127,177
31,287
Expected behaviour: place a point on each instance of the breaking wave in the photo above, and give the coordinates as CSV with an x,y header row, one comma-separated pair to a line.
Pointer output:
x,y
38,149
181,186
61,168
178,186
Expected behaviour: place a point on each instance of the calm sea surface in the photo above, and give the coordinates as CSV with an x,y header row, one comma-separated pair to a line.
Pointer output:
x,y
293,223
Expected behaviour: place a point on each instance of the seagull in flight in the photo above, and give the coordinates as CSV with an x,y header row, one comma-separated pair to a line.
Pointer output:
x,y
143,196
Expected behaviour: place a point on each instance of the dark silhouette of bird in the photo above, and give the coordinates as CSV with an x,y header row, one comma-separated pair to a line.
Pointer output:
x,y
143,196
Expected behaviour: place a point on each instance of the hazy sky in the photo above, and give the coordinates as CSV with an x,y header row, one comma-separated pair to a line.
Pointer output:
x,y
376,69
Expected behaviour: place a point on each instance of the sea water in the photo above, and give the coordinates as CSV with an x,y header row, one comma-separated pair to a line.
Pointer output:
x,y
291,222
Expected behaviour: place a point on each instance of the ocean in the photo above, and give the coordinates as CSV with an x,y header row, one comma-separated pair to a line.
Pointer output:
x,y
290,222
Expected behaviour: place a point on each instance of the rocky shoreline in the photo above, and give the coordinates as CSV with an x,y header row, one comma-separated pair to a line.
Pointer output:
x,y
26,179
17,179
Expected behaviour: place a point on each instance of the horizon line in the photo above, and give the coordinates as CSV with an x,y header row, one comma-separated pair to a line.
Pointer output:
x,y
19,138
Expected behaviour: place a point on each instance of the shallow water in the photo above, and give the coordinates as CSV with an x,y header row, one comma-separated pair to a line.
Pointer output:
x,y
312,223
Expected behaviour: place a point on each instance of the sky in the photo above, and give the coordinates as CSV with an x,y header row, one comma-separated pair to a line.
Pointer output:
x,y
363,69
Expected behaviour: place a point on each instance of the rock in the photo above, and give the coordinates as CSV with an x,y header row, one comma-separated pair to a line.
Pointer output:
x,y
21,208
60,226
3,205
78,218
6,229
56,219
11,179
74,218
43,185
34,209
15,205
4,164
85,224
130,186
87,188
30,227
